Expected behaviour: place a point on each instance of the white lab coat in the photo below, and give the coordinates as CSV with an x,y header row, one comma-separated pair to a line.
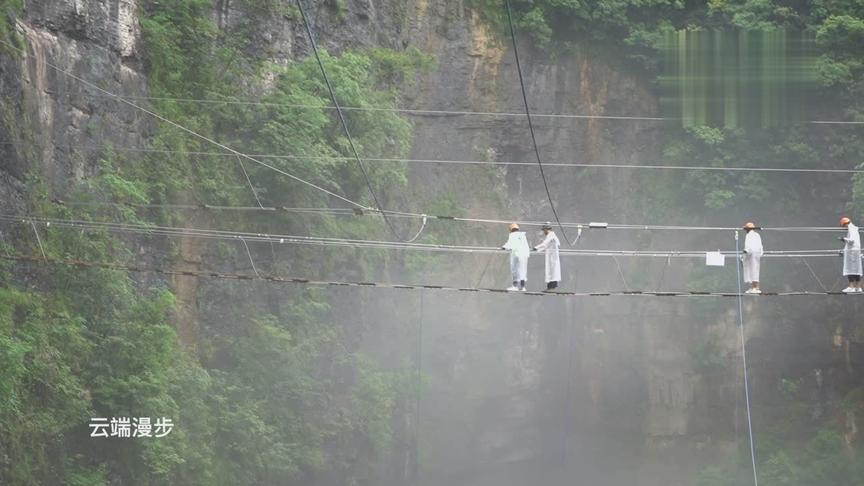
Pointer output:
x,y
517,243
852,251
752,256
550,247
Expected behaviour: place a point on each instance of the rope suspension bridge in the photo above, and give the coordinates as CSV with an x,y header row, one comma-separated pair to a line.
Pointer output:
x,y
356,208
35,259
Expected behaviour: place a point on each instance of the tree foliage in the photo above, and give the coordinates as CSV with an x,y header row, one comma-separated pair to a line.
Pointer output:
x,y
274,394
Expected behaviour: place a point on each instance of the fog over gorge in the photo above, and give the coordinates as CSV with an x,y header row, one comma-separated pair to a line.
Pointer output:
x,y
428,243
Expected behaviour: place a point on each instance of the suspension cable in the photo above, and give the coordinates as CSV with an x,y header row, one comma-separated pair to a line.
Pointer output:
x,y
458,162
451,218
345,124
531,125
224,235
440,113
186,129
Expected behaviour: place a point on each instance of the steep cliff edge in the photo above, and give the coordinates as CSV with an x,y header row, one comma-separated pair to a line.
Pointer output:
x,y
511,420
606,391
53,126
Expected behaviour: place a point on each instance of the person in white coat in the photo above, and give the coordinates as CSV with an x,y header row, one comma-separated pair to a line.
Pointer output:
x,y
517,243
549,246
752,257
851,256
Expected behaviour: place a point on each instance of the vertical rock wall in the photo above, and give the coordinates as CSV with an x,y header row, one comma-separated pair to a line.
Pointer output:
x,y
519,389
51,122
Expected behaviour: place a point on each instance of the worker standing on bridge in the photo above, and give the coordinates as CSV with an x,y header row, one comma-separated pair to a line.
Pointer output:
x,y
517,243
549,246
751,259
851,256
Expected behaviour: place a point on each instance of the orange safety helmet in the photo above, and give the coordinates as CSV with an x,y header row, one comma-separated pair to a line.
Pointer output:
x,y
514,227
749,225
845,221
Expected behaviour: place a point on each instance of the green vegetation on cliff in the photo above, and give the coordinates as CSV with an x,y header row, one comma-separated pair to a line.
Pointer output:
x,y
250,398
794,444
76,344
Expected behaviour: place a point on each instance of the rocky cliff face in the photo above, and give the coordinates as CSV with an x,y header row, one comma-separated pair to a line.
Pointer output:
x,y
51,122
604,391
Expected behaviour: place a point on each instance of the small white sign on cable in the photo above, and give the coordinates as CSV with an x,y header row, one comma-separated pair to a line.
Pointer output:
x,y
715,259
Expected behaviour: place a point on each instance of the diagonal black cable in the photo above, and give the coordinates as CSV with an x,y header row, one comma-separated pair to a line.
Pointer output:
x,y
342,120
531,125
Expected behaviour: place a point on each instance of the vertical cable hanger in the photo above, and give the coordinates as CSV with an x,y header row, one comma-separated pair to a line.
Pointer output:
x,y
738,264
485,267
621,273
249,254
668,261
415,466
566,429
818,280
249,181
39,240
